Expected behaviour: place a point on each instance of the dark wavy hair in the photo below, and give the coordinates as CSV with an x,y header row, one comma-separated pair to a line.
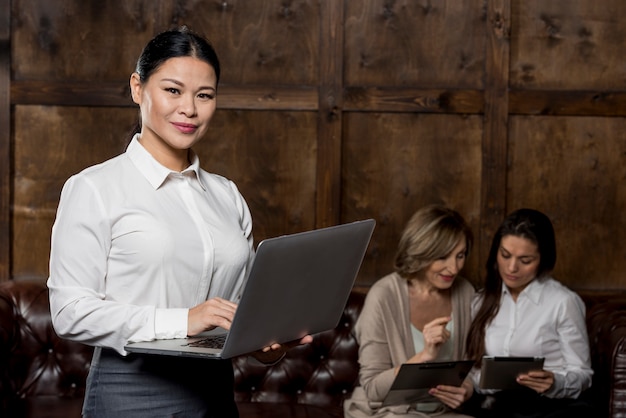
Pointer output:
x,y
524,223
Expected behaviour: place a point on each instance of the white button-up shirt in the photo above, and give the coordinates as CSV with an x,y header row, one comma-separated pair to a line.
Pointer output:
x,y
547,320
135,245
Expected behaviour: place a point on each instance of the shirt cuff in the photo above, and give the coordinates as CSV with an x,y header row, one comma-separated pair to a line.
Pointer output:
x,y
170,323
557,387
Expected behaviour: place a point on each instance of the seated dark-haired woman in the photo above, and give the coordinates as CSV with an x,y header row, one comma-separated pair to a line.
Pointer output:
x,y
523,312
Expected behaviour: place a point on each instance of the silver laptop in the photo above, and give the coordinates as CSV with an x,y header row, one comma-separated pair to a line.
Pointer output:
x,y
298,285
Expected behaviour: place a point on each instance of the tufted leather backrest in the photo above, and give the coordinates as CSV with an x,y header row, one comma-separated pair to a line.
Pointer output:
x,y
40,368
35,362
322,373
606,324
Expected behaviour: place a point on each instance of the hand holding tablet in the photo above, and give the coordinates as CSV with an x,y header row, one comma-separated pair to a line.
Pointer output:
x,y
414,380
501,372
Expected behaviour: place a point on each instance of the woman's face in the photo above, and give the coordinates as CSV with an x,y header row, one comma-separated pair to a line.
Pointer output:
x,y
518,262
177,103
441,273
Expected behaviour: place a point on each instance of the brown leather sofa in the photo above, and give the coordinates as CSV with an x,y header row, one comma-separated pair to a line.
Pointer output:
x,y
42,375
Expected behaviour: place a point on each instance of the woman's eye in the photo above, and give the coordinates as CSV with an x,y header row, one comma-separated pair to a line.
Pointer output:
x,y
206,96
172,90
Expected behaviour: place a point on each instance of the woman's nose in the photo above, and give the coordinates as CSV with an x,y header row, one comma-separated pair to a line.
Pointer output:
x,y
187,106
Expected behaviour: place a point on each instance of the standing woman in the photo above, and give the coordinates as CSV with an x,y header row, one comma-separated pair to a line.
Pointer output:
x,y
419,313
523,312
149,246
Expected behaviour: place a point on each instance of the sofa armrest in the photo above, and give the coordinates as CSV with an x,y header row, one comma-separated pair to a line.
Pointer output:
x,y
606,322
35,362
8,330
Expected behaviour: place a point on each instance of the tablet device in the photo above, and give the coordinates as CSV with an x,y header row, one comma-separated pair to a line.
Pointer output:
x,y
501,372
413,381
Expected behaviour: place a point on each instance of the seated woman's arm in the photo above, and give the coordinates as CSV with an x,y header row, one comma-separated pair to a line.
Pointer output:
x,y
573,375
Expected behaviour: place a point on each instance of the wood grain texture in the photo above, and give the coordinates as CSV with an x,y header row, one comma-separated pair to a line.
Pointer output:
x,y
51,144
568,45
395,99
415,43
332,111
271,157
258,42
568,103
96,41
393,164
573,170
330,116
117,94
5,141
495,139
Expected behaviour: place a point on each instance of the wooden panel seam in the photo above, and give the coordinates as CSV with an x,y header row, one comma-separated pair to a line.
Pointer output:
x,y
328,199
495,136
116,94
5,140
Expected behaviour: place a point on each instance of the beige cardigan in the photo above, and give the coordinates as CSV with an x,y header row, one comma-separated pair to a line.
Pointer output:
x,y
383,331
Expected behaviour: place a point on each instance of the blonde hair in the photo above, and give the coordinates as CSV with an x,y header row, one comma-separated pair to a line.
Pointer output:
x,y
431,233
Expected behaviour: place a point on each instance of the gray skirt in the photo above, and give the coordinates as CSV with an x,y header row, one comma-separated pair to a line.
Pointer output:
x,y
154,386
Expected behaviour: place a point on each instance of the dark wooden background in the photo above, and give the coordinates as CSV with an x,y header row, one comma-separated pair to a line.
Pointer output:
x,y
332,111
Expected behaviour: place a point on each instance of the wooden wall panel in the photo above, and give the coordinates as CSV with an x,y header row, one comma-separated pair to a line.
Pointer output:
x,y
95,41
258,42
568,44
339,110
279,183
272,157
573,169
495,121
415,43
5,141
51,144
394,164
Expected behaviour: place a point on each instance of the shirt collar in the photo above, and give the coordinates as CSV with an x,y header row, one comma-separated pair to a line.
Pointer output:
x,y
155,172
532,291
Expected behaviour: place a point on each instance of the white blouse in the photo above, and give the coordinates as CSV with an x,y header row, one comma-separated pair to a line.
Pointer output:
x,y
548,320
135,245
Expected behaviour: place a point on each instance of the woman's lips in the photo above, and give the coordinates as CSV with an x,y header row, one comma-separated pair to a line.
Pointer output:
x,y
186,128
447,278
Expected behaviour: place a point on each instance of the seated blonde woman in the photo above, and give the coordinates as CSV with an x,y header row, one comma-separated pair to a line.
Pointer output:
x,y
418,313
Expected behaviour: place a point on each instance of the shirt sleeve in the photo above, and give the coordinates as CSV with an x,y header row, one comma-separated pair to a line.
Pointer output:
x,y
246,226
574,374
81,240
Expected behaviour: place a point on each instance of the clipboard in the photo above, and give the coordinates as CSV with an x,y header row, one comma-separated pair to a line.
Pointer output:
x,y
501,372
413,381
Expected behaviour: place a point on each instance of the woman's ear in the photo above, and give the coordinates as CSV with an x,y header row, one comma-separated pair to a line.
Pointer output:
x,y
135,88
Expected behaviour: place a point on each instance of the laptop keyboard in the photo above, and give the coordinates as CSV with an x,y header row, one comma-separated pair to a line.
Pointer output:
x,y
214,341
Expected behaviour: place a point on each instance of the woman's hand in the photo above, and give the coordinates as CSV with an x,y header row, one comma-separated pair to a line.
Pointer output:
x,y
539,380
275,352
216,312
307,339
435,335
453,396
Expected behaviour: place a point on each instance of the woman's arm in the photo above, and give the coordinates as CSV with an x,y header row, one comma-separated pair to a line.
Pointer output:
x,y
81,242
377,370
